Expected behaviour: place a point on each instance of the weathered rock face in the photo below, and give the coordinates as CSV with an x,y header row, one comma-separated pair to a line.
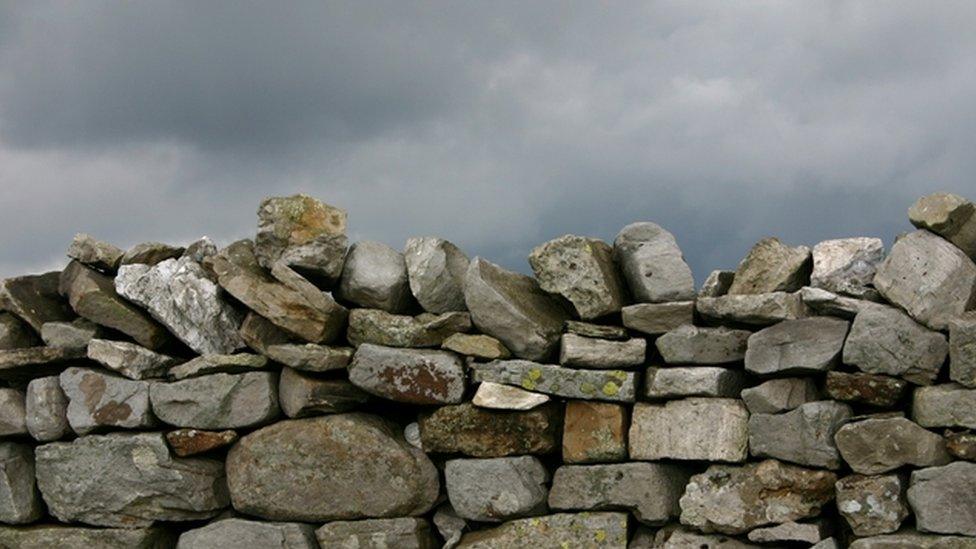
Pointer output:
x,y
652,264
607,530
478,346
804,436
151,253
581,270
310,357
872,505
98,400
780,395
948,215
338,467
35,299
649,490
717,283
302,395
657,318
879,445
45,536
382,328
320,261
505,397
472,431
847,265
771,266
944,498
14,333
872,389
236,532
682,538
909,539
497,489
599,331
754,309
375,277
190,442
962,349
961,445
797,346
20,502
450,526
70,335
12,412
884,340
414,376
588,352
713,429
704,381
46,408
594,432
94,253
791,532
127,480
612,385
689,344
217,401
436,269
285,222
129,359
947,405
34,362
405,533
260,333
828,303
216,364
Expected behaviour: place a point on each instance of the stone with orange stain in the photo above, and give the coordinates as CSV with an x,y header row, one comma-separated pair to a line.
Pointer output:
x,y
413,376
190,442
99,400
290,221
477,432
594,432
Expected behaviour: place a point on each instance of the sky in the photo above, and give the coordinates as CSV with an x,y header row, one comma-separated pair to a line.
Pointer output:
x,y
496,125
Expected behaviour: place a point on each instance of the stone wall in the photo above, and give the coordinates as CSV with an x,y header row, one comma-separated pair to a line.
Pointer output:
x,y
292,391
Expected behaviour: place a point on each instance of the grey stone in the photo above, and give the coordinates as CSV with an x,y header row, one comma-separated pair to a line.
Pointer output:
x,y
129,359
753,309
713,429
252,534
961,445
450,526
94,253
872,505
285,222
70,335
375,276
151,253
382,328
717,284
34,362
46,536
652,264
962,349
15,333
478,346
879,445
872,389
20,502
335,467
217,401
99,400
791,532
505,397
608,530
771,266
414,376
949,216
806,345
600,331
909,539
588,352
683,538
948,405
320,260
260,333
944,498
830,304
46,408
884,340
689,344
478,432
412,435
435,269
201,250
657,318
127,480
581,270
399,533
12,412
219,364
928,277
310,357
780,395
302,395
612,385
804,435
497,489
684,381
35,299
847,265
511,307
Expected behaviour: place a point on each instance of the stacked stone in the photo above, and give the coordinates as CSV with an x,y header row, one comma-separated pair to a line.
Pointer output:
x,y
293,391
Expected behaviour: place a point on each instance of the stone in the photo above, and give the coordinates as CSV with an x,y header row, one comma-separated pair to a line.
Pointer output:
x,y
35,299
202,251
712,429
414,376
34,362
435,270
791,532
872,505
12,412
46,409
302,395
871,389
884,340
151,253
238,532
70,335
610,385
287,221
577,530
734,499
588,352
505,397
512,308
830,304
218,364
129,359
478,346
581,270
401,533
682,538
689,344
962,349
20,502
260,333
497,489
929,278
961,445
335,467
685,381
908,539
717,284
477,432
15,334
310,357
649,490
130,480
98,400
847,265
652,264
948,405
949,216
450,526
412,434
944,498
217,401
45,536
878,445
804,436
753,309
657,318
294,306
780,395
179,294
771,266
807,345
94,253
599,331
382,328
320,260
594,432
191,442
92,295
375,277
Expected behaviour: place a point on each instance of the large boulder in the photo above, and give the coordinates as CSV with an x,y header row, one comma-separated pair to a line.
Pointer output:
x,y
884,340
436,269
415,376
652,264
948,215
710,429
607,530
581,270
477,432
98,400
944,498
771,266
879,445
497,489
804,435
797,346
217,401
375,277
847,265
252,534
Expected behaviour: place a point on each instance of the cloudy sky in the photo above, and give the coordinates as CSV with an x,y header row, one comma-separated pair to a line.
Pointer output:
x,y
495,125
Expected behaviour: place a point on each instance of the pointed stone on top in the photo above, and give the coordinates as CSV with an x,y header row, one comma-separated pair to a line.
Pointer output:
x,y
289,221
771,266
948,215
847,265
436,271
582,270
652,264
99,255
375,276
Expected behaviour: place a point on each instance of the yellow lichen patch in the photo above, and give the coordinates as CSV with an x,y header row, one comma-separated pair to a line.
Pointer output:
x,y
611,388
621,375
535,373
528,383
588,388
600,535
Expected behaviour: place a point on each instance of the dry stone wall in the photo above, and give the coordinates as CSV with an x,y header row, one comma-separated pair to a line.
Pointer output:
x,y
295,391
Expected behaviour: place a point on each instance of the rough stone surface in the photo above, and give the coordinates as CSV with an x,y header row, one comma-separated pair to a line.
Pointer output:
x,y
310,357
303,395
871,389
682,538
190,442
218,401
46,408
804,435
717,283
594,432
202,251
260,333
797,346
19,500
130,360
944,498
151,253
466,429
375,276
771,266
780,395
908,539
289,221
657,318
949,405
828,303
127,480
34,362
872,505
252,534
35,299
497,489
505,397
684,381
612,385
46,536
399,533
884,340
689,344
962,349
435,269
599,331
961,445
600,531
580,269
948,215
99,400
879,445
713,429
70,335
847,265
320,261
94,253
588,352
478,346
652,264
649,490
414,376
337,467
753,309
790,532
12,412
216,364
15,334
382,328
450,526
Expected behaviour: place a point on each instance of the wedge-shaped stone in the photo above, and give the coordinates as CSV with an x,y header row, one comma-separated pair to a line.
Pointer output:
x,y
151,253
657,318
830,304
71,335
872,505
588,352
131,360
961,445
589,530
260,333
382,328
652,264
944,498
35,299
375,277
962,349
910,539
506,397
46,408
649,490
753,309
46,536
717,284
948,215
219,364
879,445
478,346
477,432
847,265
34,362
685,381
612,385
238,532
948,405
436,269
689,344
884,340
401,533
780,395
320,261
12,412
98,400
804,436
497,489
580,269
218,401
310,357
712,429
94,253
797,346
771,266
190,442
872,389
449,525
285,222
15,333
594,432
302,395
414,376
129,480
20,502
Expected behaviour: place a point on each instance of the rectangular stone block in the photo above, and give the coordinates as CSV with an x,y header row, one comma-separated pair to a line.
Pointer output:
x,y
710,429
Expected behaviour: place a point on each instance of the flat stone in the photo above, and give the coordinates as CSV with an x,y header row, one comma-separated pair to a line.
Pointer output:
x,y
594,432
260,333
791,532
948,215
928,277
734,499
46,409
92,295
382,328
289,221
219,364
600,331
99,400
15,333
335,467
807,345
717,283
944,498
375,277
879,445
505,397
580,269
804,436
45,536
497,489
21,503
847,265
871,389
478,346
414,376
611,385
780,395
683,538
649,490
401,533
712,429
685,381
217,401
477,432
512,308
436,269
320,261
151,253
830,304
652,264
689,344
962,349
909,539
657,318
884,340
70,335
237,532
948,405
961,445
303,395
130,481
771,266
753,309
191,442
35,299
589,530
872,505
310,357
34,362
94,253
12,412
588,352
129,359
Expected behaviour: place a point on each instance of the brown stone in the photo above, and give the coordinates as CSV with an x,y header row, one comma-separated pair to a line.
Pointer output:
x,y
35,299
478,432
260,333
190,442
873,389
34,362
961,445
594,432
